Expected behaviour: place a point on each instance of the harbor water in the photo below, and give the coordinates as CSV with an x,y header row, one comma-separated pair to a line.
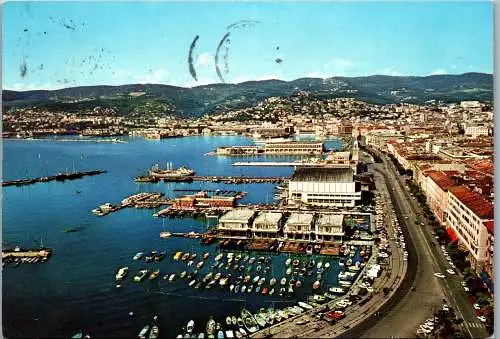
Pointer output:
x,y
75,289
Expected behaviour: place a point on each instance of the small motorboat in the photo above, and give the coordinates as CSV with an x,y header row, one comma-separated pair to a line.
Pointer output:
x,y
316,285
192,282
283,281
288,261
272,282
138,256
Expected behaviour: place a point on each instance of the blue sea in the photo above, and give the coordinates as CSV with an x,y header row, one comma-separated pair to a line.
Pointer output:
x,y
76,288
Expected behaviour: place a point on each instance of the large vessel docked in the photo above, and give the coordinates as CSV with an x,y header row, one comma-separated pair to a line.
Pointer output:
x,y
170,172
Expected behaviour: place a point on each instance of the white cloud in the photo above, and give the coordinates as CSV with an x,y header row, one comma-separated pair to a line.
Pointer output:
x,y
439,72
388,71
153,77
31,87
204,60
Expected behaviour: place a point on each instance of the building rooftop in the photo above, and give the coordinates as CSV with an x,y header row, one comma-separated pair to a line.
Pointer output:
x,y
323,174
474,201
330,220
268,218
442,180
490,226
300,219
237,215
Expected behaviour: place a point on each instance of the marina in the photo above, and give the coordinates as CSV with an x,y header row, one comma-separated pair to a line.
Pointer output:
x,y
57,177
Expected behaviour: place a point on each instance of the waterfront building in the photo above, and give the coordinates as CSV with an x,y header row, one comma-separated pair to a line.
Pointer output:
x,y
467,214
267,225
239,150
202,200
299,226
329,227
236,223
295,147
324,187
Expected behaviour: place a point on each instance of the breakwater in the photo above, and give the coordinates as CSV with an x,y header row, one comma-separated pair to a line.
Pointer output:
x,y
57,177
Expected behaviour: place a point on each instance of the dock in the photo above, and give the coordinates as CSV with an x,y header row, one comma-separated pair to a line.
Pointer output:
x,y
31,256
221,179
57,177
287,164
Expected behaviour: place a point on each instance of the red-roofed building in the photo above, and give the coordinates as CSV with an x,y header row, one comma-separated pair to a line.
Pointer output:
x,y
438,184
468,213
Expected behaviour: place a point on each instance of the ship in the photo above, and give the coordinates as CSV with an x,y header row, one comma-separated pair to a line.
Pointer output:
x,y
122,273
170,172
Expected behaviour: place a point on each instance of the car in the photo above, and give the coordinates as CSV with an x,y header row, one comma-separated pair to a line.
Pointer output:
x,y
482,318
463,283
425,330
450,271
476,306
446,308
466,289
439,275
452,265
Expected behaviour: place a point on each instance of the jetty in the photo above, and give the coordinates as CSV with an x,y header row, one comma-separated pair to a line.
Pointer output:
x,y
57,177
30,256
221,179
288,164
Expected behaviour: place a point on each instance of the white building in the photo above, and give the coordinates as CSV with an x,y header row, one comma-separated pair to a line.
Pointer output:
x,y
324,187
299,226
329,226
267,224
476,130
466,214
236,223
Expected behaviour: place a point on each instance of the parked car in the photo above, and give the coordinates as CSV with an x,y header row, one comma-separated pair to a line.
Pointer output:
x,y
476,306
450,271
439,275
482,318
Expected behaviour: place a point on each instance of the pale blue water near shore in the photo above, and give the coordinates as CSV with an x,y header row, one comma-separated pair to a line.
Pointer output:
x,y
75,288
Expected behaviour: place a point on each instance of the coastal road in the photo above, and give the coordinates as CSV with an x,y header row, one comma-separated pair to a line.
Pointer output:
x,y
451,285
429,290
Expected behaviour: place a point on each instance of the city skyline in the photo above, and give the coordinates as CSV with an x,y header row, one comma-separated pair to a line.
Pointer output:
x,y
57,45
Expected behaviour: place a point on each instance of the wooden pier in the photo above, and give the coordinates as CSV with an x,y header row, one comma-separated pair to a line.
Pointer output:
x,y
57,177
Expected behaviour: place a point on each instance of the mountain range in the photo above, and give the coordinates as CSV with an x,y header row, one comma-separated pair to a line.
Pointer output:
x,y
196,101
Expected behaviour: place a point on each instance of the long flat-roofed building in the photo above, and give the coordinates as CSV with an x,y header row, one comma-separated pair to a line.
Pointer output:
x,y
299,226
294,147
324,187
329,227
236,223
267,224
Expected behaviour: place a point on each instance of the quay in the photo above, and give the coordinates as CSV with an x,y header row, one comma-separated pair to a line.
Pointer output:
x,y
18,255
141,200
221,179
57,177
287,164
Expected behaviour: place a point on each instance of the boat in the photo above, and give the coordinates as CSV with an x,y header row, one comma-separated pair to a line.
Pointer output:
x,y
217,276
243,332
259,268
319,265
185,257
239,322
250,288
305,305
257,289
290,289
165,234
122,273
260,319
271,291
228,320
178,255
243,288
139,276
236,288
200,264
170,173
283,281
345,283
288,261
272,282
154,275
138,256
219,256
190,326
251,260
336,290
192,256
249,321
265,290
229,334
223,281
289,271
327,265
296,262
143,332
318,298
261,281
172,277
210,326
255,279
155,331
183,274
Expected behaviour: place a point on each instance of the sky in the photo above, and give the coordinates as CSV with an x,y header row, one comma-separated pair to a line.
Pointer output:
x,y
49,45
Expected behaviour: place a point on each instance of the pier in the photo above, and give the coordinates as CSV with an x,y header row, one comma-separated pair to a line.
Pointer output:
x,y
287,164
31,256
221,179
57,177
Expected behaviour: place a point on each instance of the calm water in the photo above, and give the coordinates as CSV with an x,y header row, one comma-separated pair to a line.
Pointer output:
x,y
76,288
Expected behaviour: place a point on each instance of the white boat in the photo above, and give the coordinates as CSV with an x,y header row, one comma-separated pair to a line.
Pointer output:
x,y
304,305
122,273
271,292
283,281
192,282
261,281
316,285
231,288
143,332
345,283
229,334
223,281
183,274
288,261
243,288
319,265
139,276
219,256
165,234
200,264
327,265
190,326
336,290
272,282
138,256
206,255
172,277
255,279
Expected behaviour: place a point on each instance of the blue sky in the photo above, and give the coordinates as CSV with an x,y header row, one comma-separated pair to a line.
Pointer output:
x,y
65,44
